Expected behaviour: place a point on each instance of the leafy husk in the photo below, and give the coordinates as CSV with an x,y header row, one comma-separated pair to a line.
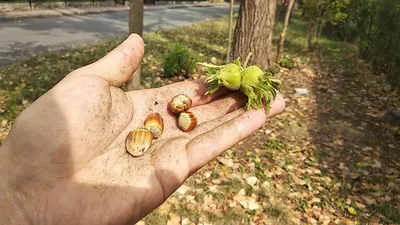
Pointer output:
x,y
260,87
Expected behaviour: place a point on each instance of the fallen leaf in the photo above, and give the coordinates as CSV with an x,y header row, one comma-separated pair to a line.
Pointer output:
x,y
312,201
362,164
360,205
224,161
352,211
354,175
244,204
390,176
312,220
374,221
368,200
365,149
377,164
347,221
183,189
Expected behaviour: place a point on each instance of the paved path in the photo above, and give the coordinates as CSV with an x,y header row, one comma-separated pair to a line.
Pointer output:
x,y
25,38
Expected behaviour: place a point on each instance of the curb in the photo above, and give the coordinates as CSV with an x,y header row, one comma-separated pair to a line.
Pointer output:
x,y
81,11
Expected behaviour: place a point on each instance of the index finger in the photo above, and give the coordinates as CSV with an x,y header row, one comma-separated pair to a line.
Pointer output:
x,y
196,90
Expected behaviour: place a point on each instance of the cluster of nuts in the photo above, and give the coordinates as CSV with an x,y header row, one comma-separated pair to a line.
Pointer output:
x,y
139,140
180,104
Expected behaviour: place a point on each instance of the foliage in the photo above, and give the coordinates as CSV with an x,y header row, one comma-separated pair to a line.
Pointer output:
x,y
179,60
376,24
326,10
286,62
319,12
274,69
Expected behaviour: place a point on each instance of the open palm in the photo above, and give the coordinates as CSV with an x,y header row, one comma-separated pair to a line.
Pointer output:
x,y
65,155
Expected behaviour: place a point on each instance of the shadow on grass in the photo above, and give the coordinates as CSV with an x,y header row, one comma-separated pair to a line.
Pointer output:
x,y
352,145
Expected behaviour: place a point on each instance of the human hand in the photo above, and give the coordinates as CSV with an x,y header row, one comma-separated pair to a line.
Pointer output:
x,y
64,160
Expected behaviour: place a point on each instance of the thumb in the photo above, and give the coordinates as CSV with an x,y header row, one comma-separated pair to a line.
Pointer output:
x,y
118,65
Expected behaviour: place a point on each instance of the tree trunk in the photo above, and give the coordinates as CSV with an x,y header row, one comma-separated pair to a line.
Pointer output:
x,y
135,26
283,34
254,31
321,24
230,31
311,33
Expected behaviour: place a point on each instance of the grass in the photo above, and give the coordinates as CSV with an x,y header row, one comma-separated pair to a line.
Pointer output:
x,y
389,211
156,218
23,83
229,217
26,81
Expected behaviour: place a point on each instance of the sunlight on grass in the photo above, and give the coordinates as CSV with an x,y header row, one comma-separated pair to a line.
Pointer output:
x,y
275,165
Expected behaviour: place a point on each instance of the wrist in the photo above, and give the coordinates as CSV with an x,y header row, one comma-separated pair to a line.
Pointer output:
x,y
13,205
11,212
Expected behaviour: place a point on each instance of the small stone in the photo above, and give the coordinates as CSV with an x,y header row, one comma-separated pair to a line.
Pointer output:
x,y
252,180
253,205
216,181
182,189
266,185
199,190
185,221
4,123
190,197
213,189
242,192
301,91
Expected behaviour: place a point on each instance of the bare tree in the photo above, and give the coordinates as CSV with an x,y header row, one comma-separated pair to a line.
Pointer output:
x,y
283,34
254,31
135,26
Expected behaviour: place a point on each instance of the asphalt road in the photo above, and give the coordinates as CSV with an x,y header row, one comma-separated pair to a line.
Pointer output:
x,y
22,39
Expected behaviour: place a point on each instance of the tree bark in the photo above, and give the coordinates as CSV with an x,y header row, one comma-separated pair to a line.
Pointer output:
x,y
283,34
135,26
254,31
230,31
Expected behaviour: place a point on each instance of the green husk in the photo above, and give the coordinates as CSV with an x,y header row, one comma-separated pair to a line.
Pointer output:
x,y
259,86
228,75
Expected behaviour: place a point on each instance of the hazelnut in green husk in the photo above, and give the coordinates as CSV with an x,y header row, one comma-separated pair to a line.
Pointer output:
x,y
228,76
259,86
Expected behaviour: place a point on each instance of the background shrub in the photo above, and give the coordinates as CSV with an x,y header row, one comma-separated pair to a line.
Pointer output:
x,y
179,60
